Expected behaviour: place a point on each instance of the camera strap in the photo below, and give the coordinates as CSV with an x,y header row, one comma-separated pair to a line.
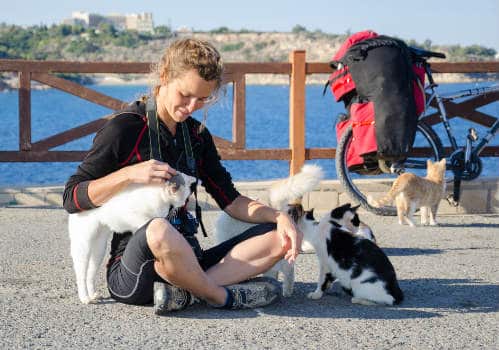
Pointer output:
x,y
153,127
155,150
191,164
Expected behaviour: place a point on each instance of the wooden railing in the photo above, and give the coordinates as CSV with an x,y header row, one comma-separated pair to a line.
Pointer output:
x,y
297,68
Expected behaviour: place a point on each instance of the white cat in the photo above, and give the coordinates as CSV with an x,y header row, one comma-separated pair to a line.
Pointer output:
x,y
281,193
127,211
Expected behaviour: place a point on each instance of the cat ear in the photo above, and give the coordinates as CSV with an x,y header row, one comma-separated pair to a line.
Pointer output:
x,y
442,161
295,211
191,179
428,163
309,214
355,208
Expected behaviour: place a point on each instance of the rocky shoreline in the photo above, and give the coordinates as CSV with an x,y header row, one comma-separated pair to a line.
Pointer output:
x,y
12,83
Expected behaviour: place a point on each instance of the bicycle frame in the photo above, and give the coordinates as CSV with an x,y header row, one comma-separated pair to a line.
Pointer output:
x,y
469,150
487,138
440,103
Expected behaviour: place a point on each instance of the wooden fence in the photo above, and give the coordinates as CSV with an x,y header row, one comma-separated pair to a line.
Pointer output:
x,y
297,68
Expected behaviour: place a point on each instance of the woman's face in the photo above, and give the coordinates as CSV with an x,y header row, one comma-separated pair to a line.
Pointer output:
x,y
179,98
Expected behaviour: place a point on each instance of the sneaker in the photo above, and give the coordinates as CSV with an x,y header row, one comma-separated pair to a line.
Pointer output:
x,y
253,293
169,298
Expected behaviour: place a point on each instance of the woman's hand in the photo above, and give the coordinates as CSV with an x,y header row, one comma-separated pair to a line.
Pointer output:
x,y
246,209
150,172
290,236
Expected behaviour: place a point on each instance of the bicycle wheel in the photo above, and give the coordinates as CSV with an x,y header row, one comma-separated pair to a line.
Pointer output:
x,y
357,185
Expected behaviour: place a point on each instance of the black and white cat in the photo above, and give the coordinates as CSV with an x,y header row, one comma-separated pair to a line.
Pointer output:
x,y
127,211
280,194
350,257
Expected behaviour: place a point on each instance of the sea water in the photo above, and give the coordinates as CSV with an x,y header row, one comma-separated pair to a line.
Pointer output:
x,y
267,126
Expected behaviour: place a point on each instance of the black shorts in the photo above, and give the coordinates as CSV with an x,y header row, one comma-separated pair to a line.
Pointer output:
x,y
130,278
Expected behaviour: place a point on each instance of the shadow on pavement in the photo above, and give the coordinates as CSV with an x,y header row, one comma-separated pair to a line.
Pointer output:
x,y
411,251
473,224
451,295
424,298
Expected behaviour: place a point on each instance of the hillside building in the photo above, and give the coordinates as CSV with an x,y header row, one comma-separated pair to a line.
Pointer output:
x,y
141,22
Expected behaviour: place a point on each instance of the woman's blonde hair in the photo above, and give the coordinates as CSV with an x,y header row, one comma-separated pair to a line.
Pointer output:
x,y
186,54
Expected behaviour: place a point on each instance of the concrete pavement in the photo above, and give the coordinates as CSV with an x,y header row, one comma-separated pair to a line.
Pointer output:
x,y
450,276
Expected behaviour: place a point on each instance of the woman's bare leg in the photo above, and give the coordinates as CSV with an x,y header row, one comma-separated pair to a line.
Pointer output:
x,y
177,264
247,259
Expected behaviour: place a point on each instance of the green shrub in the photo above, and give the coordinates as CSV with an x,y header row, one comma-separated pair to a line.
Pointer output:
x,y
260,46
233,47
220,30
162,32
299,29
82,46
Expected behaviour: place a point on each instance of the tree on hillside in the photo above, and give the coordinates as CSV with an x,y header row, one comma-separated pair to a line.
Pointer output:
x,y
476,50
220,30
81,47
299,29
162,32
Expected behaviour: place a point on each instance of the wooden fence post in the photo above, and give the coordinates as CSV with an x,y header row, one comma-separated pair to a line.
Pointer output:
x,y
239,112
25,110
297,110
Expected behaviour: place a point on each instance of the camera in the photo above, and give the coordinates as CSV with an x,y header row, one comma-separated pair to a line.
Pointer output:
x,y
187,225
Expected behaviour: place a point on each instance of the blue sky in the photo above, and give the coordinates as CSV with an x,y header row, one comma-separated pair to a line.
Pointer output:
x,y
462,22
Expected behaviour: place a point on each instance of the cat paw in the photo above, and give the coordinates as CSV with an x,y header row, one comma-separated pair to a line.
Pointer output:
x,y
434,223
361,301
85,300
96,297
314,295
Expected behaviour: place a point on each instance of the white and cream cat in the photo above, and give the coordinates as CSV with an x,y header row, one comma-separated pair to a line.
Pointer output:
x,y
411,192
127,211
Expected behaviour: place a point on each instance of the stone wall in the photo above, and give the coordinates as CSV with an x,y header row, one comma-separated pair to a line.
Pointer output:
x,y
480,196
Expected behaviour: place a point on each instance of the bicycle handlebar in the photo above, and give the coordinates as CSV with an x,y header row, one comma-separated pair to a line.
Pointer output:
x,y
423,54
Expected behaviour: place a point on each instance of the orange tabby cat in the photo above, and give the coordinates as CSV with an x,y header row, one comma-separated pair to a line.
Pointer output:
x,y
411,191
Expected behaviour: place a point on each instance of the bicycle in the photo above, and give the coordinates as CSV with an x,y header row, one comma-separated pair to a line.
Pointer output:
x,y
463,162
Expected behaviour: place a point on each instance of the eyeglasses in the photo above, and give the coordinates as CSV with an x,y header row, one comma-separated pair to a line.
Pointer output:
x,y
197,100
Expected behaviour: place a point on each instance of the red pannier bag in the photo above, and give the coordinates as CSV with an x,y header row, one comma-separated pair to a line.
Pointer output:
x,y
340,80
418,87
363,151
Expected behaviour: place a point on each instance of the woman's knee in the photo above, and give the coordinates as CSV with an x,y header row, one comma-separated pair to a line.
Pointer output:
x,y
278,249
163,239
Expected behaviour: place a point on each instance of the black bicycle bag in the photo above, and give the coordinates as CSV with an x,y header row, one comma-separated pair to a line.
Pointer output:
x,y
382,91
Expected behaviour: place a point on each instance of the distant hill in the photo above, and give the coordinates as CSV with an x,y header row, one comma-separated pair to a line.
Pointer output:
x,y
75,43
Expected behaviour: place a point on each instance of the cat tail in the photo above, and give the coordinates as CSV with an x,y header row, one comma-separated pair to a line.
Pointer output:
x,y
388,199
295,187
